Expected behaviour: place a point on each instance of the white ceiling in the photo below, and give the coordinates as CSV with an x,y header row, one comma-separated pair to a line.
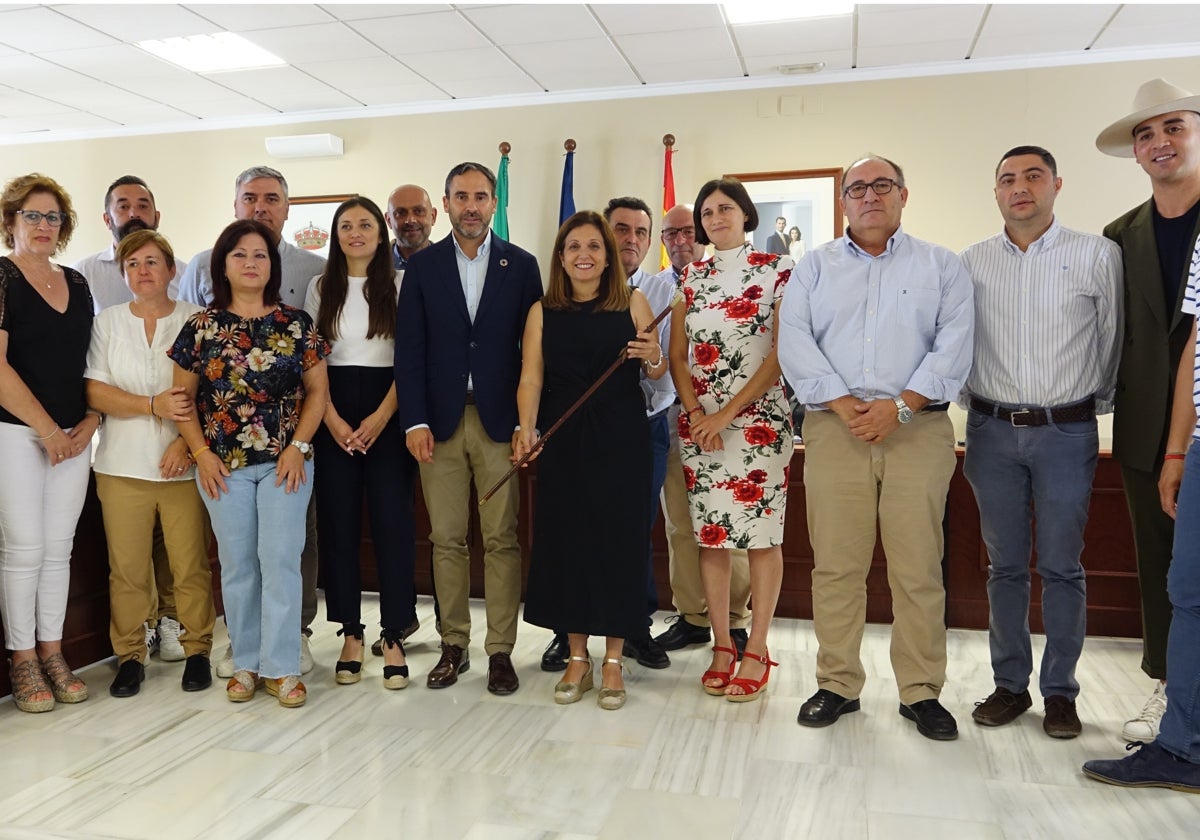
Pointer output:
x,y
70,71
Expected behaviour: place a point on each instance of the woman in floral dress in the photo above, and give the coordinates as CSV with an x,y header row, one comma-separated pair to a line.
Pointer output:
x,y
735,428
256,371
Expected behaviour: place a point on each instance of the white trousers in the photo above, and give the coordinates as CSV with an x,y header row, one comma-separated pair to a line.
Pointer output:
x,y
39,508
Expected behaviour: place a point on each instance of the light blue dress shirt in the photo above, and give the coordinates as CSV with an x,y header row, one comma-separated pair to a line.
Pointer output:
x,y
872,327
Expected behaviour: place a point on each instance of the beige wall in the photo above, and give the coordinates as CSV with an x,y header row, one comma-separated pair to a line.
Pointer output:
x,y
946,131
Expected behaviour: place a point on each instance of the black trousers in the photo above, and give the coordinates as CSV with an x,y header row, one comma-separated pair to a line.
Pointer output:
x,y
1153,540
383,478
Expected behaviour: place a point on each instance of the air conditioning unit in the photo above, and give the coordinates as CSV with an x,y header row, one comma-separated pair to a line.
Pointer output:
x,y
305,146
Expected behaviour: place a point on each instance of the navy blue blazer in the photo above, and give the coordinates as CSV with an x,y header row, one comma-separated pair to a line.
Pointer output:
x,y
437,345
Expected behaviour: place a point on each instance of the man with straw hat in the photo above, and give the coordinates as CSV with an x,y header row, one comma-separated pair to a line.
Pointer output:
x,y
1157,240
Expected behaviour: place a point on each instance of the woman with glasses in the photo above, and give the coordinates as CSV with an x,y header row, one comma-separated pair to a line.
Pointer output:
x,y
46,430
735,429
143,469
360,446
256,370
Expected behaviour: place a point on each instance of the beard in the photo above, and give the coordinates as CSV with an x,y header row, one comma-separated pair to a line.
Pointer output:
x,y
130,226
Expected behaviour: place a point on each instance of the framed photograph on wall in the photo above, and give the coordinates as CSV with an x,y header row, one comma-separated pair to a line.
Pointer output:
x,y
310,221
797,209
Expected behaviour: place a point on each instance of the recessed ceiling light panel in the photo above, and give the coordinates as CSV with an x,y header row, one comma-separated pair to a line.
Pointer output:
x,y
763,11
217,53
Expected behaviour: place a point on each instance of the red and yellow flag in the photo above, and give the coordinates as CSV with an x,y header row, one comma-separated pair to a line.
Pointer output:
x,y
668,202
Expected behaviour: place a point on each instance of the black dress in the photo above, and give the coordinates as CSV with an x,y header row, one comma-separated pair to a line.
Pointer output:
x,y
587,572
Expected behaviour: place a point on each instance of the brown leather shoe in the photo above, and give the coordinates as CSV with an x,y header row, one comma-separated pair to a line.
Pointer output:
x,y
1001,706
1061,720
502,679
454,661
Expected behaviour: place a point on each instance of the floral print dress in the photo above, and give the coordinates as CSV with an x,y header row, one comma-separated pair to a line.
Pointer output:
x,y
737,495
251,370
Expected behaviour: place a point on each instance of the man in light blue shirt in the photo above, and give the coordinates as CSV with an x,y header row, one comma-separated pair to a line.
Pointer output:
x,y
875,338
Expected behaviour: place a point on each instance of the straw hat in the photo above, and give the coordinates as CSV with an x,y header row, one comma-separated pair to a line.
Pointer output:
x,y
1155,98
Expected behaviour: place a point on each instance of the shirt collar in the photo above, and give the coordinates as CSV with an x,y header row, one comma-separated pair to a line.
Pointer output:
x,y
892,244
484,248
1046,240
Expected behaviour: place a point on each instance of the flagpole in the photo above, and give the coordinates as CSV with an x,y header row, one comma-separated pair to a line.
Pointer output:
x,y
566,199
500,220
664,258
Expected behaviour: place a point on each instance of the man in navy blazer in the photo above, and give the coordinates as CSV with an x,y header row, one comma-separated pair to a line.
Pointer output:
x,y
461,315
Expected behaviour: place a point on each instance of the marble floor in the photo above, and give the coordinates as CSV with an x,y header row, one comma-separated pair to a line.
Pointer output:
x,y
361,762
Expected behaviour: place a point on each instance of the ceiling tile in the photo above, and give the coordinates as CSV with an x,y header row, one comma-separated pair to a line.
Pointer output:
x,y
534,24
140,113
1020,30
42,30
907,54
14,103
1137,25
456,65
142,22
880,26
118,63
374,81
250,16
72,121
767,65
362,11
622,19
567,65
234,106
42,78
410,34
401,94
319,42
286,89
685,70
795,36
663,47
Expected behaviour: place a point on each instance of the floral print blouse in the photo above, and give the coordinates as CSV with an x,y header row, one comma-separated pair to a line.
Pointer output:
x,y
251,389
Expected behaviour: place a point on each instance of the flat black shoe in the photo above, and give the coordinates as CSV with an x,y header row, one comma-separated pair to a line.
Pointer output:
x,y
647,652
554,658
196,674
682,633
824,708
932,719
129,678
740,638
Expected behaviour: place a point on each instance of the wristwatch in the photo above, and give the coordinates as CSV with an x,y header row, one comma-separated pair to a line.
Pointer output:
x,y
306,448
903,412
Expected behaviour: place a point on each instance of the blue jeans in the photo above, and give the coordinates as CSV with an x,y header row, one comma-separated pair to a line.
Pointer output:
x,y
1015,473
260,534
660,443
1180,730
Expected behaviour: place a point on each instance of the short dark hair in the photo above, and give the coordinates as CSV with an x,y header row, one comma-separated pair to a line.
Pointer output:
x,y
629,202
126,181
1015,151
733,188
470,166
781,219
222,292
881,159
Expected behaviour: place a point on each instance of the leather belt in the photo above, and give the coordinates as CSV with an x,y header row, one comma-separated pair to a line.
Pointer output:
x,y
935,407
1077,412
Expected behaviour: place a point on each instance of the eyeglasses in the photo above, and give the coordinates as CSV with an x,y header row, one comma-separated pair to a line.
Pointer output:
x,y
33,217
880,186
679,233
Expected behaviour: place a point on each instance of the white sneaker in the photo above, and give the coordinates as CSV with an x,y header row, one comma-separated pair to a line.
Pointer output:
x,y
151,639
1144,727
306,660
169,648
225,663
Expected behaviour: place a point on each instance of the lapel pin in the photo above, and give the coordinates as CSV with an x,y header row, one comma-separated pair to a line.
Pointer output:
x,y
503,263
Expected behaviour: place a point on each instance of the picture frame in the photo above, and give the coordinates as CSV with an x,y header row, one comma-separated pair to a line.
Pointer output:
x,y
309,223
807,199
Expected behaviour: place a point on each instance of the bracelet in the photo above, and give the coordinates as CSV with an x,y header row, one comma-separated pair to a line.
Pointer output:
x,y
52,434
99,417
151,400
692,411
1175,456
656,365
204,448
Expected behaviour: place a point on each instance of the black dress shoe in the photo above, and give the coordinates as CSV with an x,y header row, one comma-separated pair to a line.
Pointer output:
x,y
824,708
454,661
377,645
129,679
740,638
682,633
554,657
646,651
932,719
502,679
196,674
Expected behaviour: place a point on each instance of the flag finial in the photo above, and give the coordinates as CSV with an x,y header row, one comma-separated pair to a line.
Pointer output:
x,y
505,147
569,145
668,140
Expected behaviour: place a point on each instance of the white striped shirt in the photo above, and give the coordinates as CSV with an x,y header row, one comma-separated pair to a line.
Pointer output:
x,y
1048,320
1191,306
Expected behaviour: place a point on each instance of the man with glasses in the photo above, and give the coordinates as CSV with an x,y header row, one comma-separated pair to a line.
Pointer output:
x,y
690,626
875,337
410,215
1047,340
